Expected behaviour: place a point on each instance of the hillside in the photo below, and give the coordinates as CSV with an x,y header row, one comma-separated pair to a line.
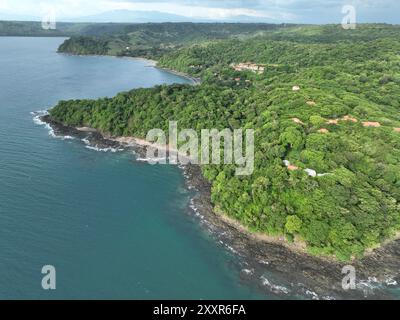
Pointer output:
x,y
34,29
153,40
327,102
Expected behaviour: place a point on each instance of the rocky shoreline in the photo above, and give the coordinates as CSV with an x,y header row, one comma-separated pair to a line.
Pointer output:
x,y
302,273
274,267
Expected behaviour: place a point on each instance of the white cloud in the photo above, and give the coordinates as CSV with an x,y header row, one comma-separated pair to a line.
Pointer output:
x,y
4,5
307,11
79,8
196,11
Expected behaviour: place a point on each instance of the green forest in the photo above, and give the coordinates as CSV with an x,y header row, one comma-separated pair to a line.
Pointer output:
x,y
153,40
327,101
35,29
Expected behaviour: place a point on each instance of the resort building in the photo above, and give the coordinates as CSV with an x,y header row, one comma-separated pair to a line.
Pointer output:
x,y
256,68
349,118
371,124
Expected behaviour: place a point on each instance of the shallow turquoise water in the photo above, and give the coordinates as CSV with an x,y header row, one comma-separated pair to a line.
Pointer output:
x,y
112,227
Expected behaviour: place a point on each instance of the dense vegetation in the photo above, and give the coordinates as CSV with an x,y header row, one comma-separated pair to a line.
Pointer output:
x,y
85,45
154,40
354,73
34,29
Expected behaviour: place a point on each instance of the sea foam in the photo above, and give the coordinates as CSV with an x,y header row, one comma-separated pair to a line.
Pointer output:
x,y
37,115
109,149
273,287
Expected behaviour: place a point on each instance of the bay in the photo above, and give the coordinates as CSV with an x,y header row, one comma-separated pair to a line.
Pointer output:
x,y
112,227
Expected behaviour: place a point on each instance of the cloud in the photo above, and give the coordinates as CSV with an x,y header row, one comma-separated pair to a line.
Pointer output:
x,y
3,5
217,10
195,10
299,11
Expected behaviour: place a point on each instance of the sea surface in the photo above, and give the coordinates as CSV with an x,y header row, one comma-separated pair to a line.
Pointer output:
x,y
112,227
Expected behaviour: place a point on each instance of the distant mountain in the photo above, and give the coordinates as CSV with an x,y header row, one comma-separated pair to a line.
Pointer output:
x,y
127,16
248,19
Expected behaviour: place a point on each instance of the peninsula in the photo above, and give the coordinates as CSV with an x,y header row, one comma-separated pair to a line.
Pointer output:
x,y
324,101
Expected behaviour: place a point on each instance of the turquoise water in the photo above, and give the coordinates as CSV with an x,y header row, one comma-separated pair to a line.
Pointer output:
x,y
112,227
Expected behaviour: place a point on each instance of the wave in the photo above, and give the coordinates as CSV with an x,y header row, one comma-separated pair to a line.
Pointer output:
x,y
230,248
89,146
273,287
151,160
390,282
86,141
109,149
52,134
248,271
187,177
312,294
196,210
37,115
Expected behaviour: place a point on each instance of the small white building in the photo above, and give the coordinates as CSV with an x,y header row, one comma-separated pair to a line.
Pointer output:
x,y
311,172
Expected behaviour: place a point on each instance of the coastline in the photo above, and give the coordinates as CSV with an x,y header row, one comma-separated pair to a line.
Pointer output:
x,y
303,274
196,81
151,62
322,277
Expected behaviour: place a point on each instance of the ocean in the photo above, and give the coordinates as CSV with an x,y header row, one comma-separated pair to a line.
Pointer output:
x,y
112,227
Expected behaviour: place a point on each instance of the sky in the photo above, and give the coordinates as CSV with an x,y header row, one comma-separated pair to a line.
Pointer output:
x,y
272,11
